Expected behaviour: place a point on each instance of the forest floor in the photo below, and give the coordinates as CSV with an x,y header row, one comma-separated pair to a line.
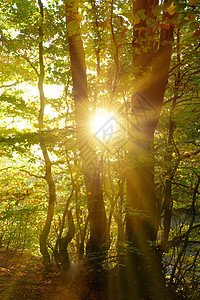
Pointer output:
x,y
22,277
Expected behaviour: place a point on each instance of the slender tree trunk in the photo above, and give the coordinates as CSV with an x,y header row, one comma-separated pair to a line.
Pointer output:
x,y
168,202
64,241
97,214
48,175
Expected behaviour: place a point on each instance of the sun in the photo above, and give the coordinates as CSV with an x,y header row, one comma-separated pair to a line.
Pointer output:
x,y
101,118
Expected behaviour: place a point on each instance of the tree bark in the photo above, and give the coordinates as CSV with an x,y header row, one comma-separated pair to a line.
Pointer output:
x,y
97,214
142,216
64,241
48,176
168,201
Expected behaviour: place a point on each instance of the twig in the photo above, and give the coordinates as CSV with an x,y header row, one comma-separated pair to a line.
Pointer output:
x,y
31,174
5,168
8,85
31,64
116,53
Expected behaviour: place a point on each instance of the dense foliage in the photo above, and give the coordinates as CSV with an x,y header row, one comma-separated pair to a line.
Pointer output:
x,y
107,34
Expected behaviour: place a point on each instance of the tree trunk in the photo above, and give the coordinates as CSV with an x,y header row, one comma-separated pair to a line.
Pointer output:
x,y
64,241
48,176
97,214
142,216
168,201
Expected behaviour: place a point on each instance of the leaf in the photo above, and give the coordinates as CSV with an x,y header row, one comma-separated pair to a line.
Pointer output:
x,y
149,21
78,17
141,13
156,11
137,21
73,27
171,9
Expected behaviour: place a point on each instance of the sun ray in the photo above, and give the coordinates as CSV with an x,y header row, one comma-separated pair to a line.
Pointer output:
x,y
100,118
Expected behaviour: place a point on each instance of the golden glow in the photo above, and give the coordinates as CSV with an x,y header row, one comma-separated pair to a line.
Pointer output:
x,y
100,119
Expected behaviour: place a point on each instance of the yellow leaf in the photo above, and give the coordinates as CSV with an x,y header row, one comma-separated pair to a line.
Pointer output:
x,y
137,21
77,17
171,9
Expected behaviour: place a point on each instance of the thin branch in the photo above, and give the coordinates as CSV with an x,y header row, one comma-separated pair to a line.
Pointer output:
x,y
65,212
187,81
180,158
116,52
9,85
186,234
194,262
174,67
48,176
175,242
5,168
191,154
31,64
31,174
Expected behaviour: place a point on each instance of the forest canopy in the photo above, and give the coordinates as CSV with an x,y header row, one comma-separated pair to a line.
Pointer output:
x,y
99,140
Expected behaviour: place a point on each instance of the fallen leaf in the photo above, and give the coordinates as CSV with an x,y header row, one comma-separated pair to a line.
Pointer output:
x,y
4,270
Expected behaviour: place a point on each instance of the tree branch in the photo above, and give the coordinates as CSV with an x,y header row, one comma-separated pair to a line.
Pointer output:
x,y
116,52
9,85
31,174
31,64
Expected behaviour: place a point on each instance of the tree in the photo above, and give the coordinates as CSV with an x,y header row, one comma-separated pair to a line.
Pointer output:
x,y
114,57
96,208
152,79
151,82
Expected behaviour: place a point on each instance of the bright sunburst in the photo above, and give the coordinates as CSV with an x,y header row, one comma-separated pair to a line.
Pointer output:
x,y
100,118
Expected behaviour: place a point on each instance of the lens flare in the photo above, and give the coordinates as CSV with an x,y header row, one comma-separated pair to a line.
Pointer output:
x,y
100,118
